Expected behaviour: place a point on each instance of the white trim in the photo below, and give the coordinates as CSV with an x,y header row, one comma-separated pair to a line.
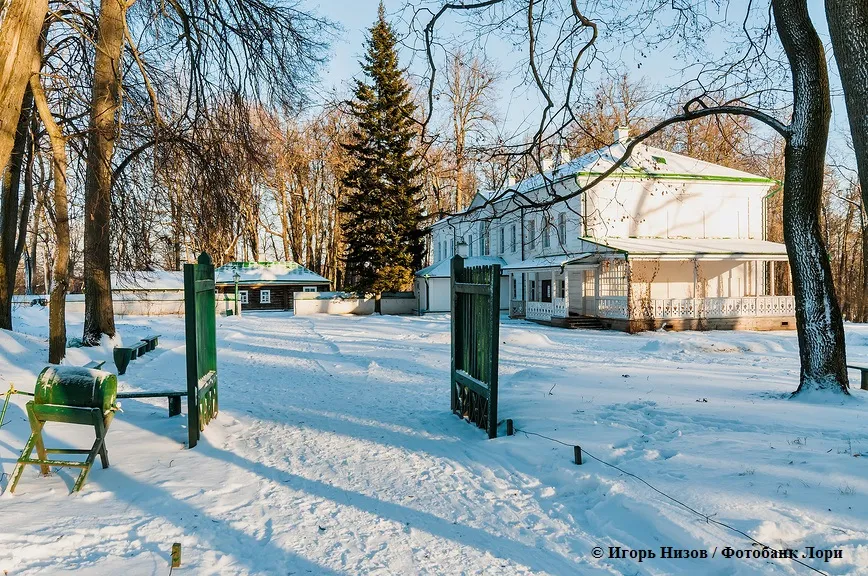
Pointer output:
x,y
243,297
265,296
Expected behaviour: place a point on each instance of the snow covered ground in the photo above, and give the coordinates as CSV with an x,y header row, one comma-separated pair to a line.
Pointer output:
x,y
335,453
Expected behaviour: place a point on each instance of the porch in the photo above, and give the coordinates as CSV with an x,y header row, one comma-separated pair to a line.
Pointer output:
x,y
640,291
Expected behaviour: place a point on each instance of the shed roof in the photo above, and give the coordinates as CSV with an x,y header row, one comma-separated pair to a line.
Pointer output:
x,y
442,269
267,273
543,262
147,280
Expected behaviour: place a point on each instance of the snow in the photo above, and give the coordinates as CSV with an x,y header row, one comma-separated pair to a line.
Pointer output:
x,y
335,453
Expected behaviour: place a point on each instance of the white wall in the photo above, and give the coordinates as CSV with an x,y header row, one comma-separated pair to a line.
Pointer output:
x,y
136,303
673,209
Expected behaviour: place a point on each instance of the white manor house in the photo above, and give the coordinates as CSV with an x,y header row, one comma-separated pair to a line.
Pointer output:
x,y
665,241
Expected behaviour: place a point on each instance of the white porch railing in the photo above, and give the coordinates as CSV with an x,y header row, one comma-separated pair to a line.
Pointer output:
x,y
539,311
668,308
672,308
612,307
559,308
516,308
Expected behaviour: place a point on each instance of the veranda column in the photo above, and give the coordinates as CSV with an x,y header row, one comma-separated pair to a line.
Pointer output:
x,y
567,292
695,298
772,278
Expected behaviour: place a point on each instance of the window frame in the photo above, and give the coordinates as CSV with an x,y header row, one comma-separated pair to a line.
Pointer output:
x,y
309,289
262,295
243,297
562,227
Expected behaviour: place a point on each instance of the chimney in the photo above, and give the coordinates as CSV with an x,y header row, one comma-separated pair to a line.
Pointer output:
x,y
547,164
622,134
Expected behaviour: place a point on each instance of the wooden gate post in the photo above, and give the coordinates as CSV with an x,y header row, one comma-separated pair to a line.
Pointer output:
x,y
457,344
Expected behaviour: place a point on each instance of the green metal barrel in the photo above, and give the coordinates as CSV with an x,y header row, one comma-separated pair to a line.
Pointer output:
x,y
73,386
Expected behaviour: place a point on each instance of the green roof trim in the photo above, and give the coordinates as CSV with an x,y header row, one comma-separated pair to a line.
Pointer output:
x,y
697,177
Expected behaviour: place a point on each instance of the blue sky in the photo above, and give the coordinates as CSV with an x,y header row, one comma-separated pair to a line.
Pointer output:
x,y
356,16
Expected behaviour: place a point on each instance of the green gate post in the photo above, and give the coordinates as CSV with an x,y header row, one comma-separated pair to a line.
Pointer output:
x,y
457,344
493,349
201,331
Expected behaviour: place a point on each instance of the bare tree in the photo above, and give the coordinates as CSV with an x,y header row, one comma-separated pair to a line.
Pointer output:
x,y
469,85
60,275
20,25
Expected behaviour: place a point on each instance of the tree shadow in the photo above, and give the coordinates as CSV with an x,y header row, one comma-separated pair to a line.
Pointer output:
x,y
499,546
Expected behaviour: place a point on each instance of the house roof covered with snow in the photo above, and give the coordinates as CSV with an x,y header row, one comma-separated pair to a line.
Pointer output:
x,y
442,269
644,162
543,262
153,280
679,248
267,273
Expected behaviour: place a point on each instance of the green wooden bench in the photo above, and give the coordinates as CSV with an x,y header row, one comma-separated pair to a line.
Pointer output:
x,y
123,355
152,341
174,398
864,372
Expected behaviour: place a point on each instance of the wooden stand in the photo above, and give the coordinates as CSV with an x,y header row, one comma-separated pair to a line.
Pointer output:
x,y
38,415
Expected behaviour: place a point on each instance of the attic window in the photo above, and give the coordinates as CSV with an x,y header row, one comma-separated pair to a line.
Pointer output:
x,y
659,159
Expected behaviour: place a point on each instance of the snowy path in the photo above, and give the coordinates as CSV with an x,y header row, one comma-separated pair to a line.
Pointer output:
x,y
335,453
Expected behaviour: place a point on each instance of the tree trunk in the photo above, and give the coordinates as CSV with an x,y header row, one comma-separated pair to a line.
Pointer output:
x,y
105,104
818,317
19,37
9,211
60,281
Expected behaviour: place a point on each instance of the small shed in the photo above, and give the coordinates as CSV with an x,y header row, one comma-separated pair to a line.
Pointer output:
x,y
432,283
268,285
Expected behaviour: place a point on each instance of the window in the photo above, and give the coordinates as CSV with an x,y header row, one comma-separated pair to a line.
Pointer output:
x,y
242,296
562,227
502,240
546,236
512,239
437,252
265,296
532,290
452,247
531,234
310,288
514,288
484,239
445,254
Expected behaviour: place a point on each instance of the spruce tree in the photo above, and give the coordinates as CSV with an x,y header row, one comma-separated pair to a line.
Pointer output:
x,y
381,206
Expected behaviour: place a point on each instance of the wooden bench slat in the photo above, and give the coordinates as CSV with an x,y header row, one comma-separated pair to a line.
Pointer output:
x,y
164,394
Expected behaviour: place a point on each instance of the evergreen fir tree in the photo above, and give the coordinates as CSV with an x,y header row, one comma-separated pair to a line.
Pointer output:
x,y
381,206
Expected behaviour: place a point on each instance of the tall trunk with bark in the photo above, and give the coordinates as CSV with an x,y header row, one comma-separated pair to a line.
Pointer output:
x,y
818,317
19,38
60,281
105,104
848,28
9,212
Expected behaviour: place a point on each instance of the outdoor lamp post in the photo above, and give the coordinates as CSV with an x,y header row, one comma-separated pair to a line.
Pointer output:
x,y
236,276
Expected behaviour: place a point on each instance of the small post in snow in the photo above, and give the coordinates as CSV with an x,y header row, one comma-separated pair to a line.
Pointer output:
x,y
577,453
509,427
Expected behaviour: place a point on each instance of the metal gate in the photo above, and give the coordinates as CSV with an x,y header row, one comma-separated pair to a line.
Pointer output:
x,y
475,338
201,329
